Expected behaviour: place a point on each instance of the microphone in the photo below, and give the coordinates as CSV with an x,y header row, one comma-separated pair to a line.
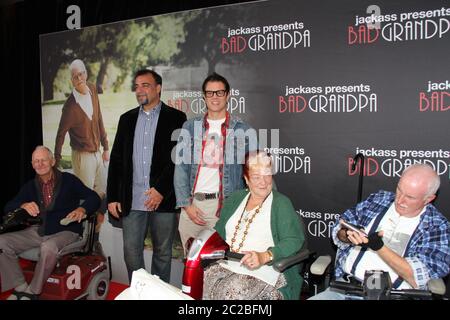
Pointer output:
x,y
359,156
355,160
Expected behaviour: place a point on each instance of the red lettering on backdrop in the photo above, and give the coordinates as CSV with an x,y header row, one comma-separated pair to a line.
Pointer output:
x,y
371,167
363,35
235,44
179,104
294,104
436,101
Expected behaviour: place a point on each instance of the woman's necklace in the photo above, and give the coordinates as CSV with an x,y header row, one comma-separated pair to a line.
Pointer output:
x,y
249,221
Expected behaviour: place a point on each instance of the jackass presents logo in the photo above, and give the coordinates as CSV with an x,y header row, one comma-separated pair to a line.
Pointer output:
x,y
328,99
289,160
392,162
319,224
282,36
397,27
436,97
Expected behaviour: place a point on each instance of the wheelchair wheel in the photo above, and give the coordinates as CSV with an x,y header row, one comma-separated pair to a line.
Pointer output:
x,y
98,287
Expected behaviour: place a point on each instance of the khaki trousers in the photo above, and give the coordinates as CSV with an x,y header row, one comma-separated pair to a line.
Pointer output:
x,y
189,229
90,169
14,243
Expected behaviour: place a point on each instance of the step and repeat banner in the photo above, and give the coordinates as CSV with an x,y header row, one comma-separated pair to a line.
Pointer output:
x,y
321,82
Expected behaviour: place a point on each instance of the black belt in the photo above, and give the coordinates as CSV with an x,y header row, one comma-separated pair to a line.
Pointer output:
x,y
200,196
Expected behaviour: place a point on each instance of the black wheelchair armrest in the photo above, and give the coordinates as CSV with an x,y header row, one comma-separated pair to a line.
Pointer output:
x,y
287,262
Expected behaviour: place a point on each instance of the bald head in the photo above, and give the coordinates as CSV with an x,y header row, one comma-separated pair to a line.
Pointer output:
x,y
43,150
423,174
417,187
43,161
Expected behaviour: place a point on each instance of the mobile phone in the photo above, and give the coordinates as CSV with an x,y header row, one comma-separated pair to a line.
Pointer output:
x,y
352,227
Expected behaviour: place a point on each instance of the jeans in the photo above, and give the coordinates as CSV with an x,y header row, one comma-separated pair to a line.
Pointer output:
x,y
163,226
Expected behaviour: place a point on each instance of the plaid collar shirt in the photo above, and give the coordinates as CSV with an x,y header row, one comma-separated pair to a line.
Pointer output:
x,y
47,190
428,250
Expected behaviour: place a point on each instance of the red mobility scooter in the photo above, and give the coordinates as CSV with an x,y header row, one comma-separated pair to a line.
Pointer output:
x,y
81,271
209,247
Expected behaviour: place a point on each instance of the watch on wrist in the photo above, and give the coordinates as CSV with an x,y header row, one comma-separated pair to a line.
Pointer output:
x,y
269,252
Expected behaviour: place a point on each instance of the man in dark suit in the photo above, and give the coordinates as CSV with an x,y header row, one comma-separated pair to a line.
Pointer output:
x,y
52,195
140,176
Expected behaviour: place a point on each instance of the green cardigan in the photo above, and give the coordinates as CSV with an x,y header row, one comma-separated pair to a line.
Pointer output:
x,y
287,232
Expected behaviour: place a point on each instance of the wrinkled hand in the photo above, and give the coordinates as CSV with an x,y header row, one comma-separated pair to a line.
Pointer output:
x,y
253,260
31,207
105,156
115,209
195,214
78,214
154,199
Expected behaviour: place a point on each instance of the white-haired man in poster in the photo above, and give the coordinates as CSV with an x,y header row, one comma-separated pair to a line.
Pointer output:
x,y
82,118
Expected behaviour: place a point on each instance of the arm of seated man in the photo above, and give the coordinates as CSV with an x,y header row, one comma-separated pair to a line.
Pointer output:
x,y
396,262
78,214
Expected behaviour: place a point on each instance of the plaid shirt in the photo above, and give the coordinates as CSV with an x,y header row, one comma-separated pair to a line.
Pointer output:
x,y
428,250
47,189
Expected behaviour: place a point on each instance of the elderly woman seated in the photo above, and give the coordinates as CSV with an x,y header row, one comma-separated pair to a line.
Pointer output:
x,y
262,224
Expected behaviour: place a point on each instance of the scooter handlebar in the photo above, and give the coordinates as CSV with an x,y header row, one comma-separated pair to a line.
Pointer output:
x,y
234,255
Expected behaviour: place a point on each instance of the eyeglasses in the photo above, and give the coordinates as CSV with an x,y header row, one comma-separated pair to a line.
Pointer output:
x,y
219,93
78,75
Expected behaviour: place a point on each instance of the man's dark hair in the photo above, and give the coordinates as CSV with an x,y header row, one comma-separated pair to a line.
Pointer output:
x,y
215,77
142,72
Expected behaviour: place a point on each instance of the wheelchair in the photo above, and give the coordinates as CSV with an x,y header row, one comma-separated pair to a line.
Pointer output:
x,y
376,285
80,272
209,247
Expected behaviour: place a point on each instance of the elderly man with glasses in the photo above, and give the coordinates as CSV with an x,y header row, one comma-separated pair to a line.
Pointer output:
x,y
82,118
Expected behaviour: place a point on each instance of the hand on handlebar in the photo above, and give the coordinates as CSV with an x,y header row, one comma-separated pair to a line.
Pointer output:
x,y
31,207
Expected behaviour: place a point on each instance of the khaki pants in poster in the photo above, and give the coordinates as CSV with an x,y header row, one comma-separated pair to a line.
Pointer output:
x,y
91,170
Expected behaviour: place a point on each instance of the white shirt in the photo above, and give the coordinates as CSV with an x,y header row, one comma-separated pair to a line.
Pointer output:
x,y
258,239
85,102
208,178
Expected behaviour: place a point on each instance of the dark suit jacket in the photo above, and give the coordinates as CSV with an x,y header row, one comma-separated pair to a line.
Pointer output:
x,y
120,173
68,192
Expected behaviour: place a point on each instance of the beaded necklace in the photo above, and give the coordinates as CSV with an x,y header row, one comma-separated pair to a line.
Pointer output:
x,y
249,221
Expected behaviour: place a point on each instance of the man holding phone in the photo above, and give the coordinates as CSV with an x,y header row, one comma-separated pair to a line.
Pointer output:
x,y
406,235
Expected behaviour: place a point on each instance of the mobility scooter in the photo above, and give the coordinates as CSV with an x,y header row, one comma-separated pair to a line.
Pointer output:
x,y
81,271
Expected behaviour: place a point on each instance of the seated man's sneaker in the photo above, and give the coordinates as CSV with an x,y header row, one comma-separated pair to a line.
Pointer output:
x,y
17,292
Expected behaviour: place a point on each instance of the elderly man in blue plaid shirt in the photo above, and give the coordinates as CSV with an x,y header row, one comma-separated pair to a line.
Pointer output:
x,y
407,236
